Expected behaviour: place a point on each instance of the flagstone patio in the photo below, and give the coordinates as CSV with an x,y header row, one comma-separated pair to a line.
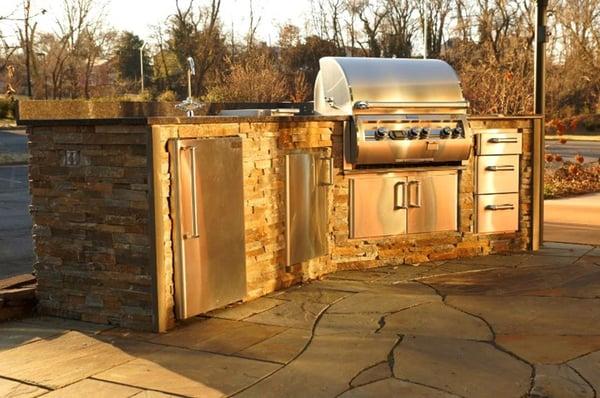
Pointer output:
x,y
507,326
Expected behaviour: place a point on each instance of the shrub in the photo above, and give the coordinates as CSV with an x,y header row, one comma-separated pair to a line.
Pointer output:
x,y
6,108
167,96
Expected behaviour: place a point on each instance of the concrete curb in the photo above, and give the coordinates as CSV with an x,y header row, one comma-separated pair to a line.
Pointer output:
x,y
590,138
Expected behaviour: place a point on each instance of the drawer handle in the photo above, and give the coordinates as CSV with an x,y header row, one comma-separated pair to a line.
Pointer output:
x,y
507,167
507,140
506,206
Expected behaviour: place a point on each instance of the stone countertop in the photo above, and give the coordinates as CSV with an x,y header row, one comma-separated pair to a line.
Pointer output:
x,y
75,112
161,120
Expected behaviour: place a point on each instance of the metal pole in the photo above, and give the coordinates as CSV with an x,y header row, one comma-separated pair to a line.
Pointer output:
x,y
540,57
425,27
538,132
142,67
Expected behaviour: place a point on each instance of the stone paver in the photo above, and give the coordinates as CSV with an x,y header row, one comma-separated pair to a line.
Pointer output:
x,y
13,334
527,280
67,324
96,389
218,335
189,373
13,389
395,388
375,373
563,249
50,364
474,327
293,314
384,302
548,349
241,311
534,315
559,381
281,348
325,368
588,367
462,367
153,394
311,293
437,319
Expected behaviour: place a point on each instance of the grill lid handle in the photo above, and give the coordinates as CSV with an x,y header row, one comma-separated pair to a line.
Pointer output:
x,y
362,105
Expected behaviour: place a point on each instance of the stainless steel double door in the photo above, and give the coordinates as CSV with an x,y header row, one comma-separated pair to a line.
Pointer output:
x,y
394,204
208,224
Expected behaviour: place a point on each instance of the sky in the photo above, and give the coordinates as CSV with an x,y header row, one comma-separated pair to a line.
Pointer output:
x,y
139,15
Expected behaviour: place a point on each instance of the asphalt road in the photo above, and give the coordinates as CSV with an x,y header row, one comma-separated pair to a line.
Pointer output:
x,y
16,246
589,149
13,141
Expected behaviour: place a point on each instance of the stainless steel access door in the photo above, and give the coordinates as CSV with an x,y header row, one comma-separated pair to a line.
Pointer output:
x,y
432,199
377,205
208,227
308,177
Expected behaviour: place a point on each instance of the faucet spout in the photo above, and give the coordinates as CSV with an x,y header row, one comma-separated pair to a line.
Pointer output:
x,y
189,105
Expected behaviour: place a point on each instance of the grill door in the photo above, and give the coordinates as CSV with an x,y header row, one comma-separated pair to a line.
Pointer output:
x,y
208,228
378,206
432,202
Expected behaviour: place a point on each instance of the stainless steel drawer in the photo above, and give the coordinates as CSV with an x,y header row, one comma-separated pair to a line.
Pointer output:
x,y
378,206
497,213
499,142
497,174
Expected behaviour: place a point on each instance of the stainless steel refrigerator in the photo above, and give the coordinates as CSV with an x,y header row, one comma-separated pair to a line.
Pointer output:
x,y
208,230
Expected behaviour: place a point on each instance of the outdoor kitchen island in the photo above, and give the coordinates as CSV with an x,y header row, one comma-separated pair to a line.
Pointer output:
x,y
103,210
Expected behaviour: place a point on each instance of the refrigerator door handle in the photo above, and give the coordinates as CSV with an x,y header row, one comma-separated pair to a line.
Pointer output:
x,y
194,195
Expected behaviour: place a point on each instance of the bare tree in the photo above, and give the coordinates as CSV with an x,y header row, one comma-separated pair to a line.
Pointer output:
x,y
196,32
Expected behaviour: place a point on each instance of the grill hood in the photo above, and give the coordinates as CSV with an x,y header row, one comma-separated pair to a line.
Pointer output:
x,y
349,85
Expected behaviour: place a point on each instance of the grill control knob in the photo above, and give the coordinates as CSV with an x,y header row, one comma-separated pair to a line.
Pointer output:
x,y
397,134
380,133
424,133
445,132
458,132
414,133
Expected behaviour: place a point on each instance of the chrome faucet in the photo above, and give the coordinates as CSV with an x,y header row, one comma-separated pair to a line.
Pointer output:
x,y
189,105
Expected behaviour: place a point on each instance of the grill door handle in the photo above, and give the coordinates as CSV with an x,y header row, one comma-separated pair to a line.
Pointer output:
x,y
506,140
400,192
506,206
507,167
418,202
194,193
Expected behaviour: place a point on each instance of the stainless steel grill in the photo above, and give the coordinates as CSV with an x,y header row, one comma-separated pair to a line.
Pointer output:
x,y
403,110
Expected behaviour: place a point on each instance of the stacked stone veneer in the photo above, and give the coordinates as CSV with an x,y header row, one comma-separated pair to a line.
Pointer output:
x,y
104,246
91,223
